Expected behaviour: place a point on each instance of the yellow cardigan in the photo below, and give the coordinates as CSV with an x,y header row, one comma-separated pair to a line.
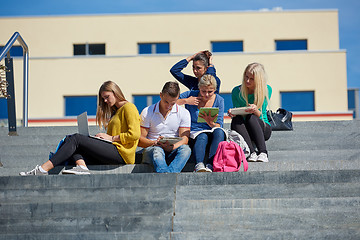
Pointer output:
x,y
126,124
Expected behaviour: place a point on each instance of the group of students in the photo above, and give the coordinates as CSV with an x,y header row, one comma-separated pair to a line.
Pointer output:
x,y
126,129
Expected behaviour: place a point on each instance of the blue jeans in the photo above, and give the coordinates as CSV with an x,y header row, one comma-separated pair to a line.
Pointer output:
x,y
202,141
177,158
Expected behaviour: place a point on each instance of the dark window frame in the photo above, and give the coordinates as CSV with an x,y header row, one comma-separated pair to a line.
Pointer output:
x,y
227,46
15,51
156,48
80,106
300,100
291,44
89,49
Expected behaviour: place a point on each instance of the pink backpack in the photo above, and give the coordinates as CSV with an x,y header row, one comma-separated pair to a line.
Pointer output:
x,y
228,157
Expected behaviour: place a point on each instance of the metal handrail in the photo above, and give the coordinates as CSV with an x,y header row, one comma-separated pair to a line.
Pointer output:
x,y
5,51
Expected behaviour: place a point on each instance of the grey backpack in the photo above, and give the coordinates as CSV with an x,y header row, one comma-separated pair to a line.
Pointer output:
x,y
237,138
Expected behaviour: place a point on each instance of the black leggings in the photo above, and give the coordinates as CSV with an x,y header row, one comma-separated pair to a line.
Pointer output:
x,y
91,150
252,129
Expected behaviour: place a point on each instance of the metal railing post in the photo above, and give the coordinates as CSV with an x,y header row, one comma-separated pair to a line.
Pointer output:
x,y
5,51
26,89
11,96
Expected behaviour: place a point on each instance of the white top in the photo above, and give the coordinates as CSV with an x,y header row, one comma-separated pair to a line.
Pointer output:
x,y
152,119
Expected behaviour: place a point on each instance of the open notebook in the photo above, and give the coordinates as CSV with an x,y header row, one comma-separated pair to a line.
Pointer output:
x,y
83,126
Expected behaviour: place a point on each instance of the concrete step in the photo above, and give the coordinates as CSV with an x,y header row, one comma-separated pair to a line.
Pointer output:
x,y
241,233
127,195
308,190
184,193
93,224
204,180
86,209
260,203
94,169
196,206
312,142
268,219
81,235
47,131
279,161
266,177
267,191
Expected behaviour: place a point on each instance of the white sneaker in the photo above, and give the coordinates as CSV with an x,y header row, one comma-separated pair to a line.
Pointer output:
x,y
253,157
262,157
76,170
200,167
35,171
209,168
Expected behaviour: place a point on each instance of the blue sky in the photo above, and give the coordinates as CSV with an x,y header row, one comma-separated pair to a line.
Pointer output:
x,y
349,18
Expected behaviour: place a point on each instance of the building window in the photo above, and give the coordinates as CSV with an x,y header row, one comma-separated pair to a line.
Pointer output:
x,y
353,101
142,101
298,101
89,49
75,105
3,108
15,51
227,46
154,48
288,45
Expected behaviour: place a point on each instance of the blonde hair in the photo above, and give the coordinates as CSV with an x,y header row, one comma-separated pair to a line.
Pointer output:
x,y
207,80
260,80
104,112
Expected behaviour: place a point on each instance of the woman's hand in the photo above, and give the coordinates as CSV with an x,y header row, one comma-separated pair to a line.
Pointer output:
x,y
229,114
190,58
193,100
104,136
211,61
208,118
253,110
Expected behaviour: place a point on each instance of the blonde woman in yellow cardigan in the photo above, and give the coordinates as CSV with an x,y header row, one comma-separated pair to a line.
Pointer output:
x,y
121,120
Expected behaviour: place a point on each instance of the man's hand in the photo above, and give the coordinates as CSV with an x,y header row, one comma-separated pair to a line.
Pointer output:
x,y
166,146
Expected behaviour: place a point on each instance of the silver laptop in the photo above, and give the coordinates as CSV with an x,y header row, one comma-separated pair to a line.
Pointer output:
x,y
83,126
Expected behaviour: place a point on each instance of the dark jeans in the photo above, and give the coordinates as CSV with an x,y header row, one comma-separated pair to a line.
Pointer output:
x,y
204,141
91,150
252,129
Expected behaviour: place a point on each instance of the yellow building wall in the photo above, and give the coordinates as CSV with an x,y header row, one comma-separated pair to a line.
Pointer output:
x,y
187,32
55,72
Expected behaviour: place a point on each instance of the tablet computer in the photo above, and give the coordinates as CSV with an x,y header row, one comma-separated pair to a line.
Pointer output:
x,y
171,140
239,111
213,111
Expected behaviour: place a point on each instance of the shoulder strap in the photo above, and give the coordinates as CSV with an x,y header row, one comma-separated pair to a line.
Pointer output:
x,y
241,156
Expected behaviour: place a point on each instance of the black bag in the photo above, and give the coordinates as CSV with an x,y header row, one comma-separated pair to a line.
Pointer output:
x,y
280,120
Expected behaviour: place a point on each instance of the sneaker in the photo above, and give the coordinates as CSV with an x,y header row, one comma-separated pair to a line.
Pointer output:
x,y
35,171
253,157
209,168
76,170
200,167
262,157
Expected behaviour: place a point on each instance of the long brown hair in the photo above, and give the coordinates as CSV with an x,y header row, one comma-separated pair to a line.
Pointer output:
x,y
104,112
204,57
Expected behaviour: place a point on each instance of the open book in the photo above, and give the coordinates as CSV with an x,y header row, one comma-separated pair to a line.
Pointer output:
x,y
205,110
239,111
193,135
